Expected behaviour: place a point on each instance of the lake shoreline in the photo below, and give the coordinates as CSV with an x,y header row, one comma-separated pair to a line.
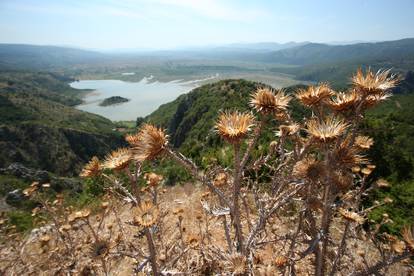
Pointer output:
x,y
145,96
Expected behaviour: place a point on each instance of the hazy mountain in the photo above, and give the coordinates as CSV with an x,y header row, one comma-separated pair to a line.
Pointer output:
x,y
22,56
315,53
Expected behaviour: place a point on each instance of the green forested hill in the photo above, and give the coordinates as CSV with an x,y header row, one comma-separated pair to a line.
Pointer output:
x,y
40,129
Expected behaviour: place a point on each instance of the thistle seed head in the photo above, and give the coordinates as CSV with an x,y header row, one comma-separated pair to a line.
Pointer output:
x,y
308,168
153,179
118,159
288,130
343,102
375,99
314,95
280,261
267,101
326,130
234,126
351,216
146,214
220,179
99,248
408,236
93,168
150,143
363,142
237,264
347,156
373,83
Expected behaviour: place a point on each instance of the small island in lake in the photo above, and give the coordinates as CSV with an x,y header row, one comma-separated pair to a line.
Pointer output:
x,y
113,100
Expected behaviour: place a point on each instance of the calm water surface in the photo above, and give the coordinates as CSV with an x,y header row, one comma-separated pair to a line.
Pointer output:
x,y
145,97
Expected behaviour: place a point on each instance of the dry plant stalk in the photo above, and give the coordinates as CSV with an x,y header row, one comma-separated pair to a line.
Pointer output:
x,y
312,179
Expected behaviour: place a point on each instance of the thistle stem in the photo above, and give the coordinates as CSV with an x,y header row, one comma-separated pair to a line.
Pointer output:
x,y
236,195
151,248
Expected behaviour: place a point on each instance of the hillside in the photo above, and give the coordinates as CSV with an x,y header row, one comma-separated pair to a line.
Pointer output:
x,y
39,129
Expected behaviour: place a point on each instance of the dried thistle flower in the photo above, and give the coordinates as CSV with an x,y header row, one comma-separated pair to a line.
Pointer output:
x,y
347,156
382,183
373,100
342,180
178,211
408,236
78,215
151,143
30,190
105,204
118,159
398,246
314,203
220,179
364,142
153,179
44,240
99,248
326,130
361,253
366,171
193,241
351,216
280,261
309,168
266,271
371,82
234,126
237,264
314,95
266,101
344,101
132,139
146,214
93,168
65,228
287,130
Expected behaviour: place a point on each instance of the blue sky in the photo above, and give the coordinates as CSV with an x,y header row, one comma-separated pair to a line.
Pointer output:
x,y
109,24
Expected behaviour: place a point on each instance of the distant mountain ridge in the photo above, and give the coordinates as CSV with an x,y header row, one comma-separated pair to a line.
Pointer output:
x,y
304,61
24,56
316,53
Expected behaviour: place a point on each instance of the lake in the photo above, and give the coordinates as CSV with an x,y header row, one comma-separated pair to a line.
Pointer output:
x,y
145,96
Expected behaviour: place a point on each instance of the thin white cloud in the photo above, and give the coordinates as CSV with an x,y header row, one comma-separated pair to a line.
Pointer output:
x,y
213,9
146,9
219,9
